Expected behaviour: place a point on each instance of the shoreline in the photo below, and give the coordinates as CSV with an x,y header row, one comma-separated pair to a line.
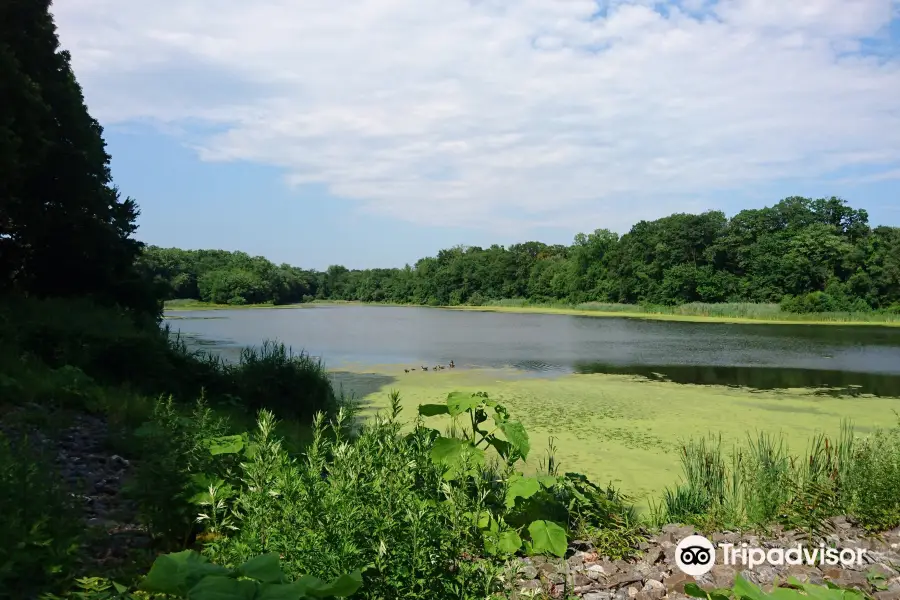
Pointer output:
x,y
545,310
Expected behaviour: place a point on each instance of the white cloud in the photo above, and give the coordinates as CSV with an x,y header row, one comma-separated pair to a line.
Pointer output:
x,y
506,112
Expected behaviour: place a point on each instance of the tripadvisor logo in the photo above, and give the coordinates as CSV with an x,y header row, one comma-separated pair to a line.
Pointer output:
x,y
695,555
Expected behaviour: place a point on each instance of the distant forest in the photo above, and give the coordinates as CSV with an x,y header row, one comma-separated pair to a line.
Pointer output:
x,y
809,255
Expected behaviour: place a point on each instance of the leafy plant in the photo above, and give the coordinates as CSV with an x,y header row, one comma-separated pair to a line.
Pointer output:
x,y
375,502
39,528
530,513
190,575
184,458
792,589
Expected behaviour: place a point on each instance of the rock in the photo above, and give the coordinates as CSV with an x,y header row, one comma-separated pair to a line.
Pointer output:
x,y
548,570
654,589
623,579
722,575
595,572
887,595
654,555
676,582
528,572
601,596
766,573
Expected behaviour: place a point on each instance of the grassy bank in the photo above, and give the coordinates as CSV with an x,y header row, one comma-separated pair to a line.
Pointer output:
x,y
738,312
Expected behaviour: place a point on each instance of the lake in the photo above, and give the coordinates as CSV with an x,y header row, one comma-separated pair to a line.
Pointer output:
x,y
846,359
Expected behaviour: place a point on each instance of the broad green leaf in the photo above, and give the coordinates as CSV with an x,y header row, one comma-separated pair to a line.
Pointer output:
x,y
265,568
509,542
119,587
521,487
280,591
502,447
460,402
433,410
484,520
178,572
548,537
343,586
719,595
694,590
517,436
458,456
446,450
218,587
225,444
744,589
548,481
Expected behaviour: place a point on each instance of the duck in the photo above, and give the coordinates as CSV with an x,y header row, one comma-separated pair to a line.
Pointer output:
x,y
406,370
424,368
452,365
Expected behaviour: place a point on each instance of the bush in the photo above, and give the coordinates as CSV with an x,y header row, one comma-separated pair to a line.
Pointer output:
x,y
39,527
181,456
873,480
291,385
814,302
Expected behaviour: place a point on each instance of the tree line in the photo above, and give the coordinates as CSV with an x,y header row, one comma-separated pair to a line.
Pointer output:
x,y
819,254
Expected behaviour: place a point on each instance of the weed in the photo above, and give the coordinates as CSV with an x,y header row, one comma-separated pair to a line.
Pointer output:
x,y
39,527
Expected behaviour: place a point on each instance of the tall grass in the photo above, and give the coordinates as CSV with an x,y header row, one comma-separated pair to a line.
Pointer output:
x,y
724,310
761,483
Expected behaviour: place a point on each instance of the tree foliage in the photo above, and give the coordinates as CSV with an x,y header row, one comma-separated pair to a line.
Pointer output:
x,y
799,247
65,230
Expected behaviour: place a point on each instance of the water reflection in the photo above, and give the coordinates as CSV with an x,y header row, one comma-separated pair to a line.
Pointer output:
x,y
830,382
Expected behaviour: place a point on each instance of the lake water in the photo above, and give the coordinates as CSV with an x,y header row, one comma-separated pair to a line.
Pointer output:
x,y
855,359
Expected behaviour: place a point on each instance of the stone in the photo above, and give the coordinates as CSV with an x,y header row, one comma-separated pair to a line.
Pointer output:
x,y
722,575
676,582
528,572
766,573
548,569
623,579
654,589
887,595
597,596
631,591
595,570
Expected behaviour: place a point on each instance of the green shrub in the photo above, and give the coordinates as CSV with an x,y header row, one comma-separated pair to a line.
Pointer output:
x,y
39,526
873,481
181,457
291,385
814,302
376,503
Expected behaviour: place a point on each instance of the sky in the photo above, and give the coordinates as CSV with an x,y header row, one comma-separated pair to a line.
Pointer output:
x,y
370,133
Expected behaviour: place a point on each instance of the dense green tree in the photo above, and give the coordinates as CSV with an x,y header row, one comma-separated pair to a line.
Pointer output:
x,y
64,228
816,253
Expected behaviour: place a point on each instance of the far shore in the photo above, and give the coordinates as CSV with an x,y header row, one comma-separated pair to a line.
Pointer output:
x,y
184,306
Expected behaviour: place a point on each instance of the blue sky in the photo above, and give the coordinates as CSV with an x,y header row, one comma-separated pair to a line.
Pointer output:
x,y
373,132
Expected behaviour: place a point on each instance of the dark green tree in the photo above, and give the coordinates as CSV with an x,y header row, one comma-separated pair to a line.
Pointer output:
x,y
65,230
